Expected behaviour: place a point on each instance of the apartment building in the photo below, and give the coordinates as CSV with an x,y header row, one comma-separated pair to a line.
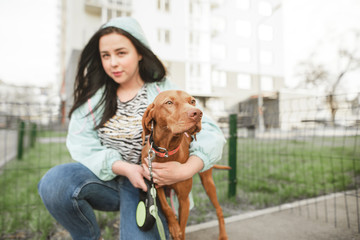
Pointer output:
x,y
220,51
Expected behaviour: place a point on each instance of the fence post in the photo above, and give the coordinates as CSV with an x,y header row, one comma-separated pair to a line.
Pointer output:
x,y
21,133
232,154
33,135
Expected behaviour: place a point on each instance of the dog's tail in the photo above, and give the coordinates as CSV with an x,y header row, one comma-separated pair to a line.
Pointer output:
x,y
222,167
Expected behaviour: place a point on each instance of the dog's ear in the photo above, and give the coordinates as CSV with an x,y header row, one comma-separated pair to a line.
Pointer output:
x,y
146,121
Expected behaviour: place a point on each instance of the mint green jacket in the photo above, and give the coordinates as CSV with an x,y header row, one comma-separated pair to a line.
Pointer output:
x,y
85,147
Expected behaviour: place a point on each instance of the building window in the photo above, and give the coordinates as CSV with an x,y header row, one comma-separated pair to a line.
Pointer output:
x,y
195,70
243,28
244,81
164,36
244,55
219,78
264,8
194,38
195,8
266,58
218,24
267,83
265,32
164,5
243,4
218,51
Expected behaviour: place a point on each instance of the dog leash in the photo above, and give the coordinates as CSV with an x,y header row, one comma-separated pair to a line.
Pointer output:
x,y
162,152
154,209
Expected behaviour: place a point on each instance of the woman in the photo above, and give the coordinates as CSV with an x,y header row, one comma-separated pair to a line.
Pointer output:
x,y
118,76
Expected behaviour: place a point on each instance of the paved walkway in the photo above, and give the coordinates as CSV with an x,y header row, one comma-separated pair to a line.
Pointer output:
x,y
8,145
333,217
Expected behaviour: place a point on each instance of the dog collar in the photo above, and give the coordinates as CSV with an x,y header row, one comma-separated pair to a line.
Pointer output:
x,y
159,151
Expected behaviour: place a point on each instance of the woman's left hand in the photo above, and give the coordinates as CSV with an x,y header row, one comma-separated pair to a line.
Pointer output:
x,y
168,173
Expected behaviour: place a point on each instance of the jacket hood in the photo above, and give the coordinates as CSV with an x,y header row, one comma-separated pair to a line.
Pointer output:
x,y
129,25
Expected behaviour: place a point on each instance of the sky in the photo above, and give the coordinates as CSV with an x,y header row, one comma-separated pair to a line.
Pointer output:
x,y
29,38
28,42
319,28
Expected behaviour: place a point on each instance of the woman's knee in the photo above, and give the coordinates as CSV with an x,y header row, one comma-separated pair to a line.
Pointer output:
x,y
59,182
65,183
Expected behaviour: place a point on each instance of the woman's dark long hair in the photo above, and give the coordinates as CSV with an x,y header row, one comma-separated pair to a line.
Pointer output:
x,y
91,75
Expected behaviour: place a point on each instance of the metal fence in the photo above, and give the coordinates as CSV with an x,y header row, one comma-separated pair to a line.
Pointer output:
x,y
305,152
304,159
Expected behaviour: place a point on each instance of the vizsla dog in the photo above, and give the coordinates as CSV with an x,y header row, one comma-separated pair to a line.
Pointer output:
x,y
171,120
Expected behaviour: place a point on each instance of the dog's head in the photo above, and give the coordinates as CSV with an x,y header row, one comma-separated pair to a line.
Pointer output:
x,y
173,111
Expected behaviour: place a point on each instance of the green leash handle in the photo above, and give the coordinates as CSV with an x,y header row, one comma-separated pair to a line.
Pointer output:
x,y
154,212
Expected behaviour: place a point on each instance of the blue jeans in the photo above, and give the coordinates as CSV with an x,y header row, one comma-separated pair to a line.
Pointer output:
x,y
71,192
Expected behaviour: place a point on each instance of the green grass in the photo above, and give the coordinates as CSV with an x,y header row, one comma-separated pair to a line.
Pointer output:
x,y
273,172
49,133
296,170
22,213
269,172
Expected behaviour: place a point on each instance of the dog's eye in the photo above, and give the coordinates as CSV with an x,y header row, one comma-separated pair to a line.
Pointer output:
x,y
193,102
169,102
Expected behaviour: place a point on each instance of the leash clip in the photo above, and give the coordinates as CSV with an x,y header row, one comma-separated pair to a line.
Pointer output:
x,y
151,157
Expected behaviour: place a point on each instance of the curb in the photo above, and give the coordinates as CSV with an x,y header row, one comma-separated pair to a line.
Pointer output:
x,y
253,214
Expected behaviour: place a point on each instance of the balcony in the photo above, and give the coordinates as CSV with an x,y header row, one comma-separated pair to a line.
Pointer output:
x,y
214,4
95,6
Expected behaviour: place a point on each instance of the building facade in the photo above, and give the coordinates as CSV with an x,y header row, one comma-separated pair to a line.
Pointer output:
x,y
220,51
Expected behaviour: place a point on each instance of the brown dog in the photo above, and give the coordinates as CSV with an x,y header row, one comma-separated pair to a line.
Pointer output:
x,y
170,120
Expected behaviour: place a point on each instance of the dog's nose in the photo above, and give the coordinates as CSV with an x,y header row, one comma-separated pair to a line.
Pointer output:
x,y
195,114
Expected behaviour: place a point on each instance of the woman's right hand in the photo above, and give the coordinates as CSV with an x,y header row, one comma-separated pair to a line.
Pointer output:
x,y
133,172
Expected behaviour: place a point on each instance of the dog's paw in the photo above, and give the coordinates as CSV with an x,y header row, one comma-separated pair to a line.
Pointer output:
x,y
175,232
223,237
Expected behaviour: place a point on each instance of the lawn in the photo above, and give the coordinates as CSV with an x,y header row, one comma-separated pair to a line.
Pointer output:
x,y
269,172
22,213
277,171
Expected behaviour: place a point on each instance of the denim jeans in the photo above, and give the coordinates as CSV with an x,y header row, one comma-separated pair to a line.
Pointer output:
x,y
71,192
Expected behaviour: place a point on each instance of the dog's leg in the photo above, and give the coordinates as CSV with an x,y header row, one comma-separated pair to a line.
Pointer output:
x,y
184,209
182,191
209,186
173,224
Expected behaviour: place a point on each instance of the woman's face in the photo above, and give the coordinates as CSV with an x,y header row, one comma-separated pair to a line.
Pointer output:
x,y
119,58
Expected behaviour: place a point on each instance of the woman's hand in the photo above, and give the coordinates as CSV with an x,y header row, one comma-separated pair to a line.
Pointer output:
x,y
133,172
168,173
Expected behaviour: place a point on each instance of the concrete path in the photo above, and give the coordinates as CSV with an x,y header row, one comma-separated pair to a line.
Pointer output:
x,y
333,217
8,145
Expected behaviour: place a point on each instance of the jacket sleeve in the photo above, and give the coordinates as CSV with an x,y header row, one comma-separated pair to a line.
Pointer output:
x,y
85,147
209,144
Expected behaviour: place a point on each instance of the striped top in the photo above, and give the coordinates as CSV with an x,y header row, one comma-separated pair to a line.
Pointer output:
x,y
123,131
